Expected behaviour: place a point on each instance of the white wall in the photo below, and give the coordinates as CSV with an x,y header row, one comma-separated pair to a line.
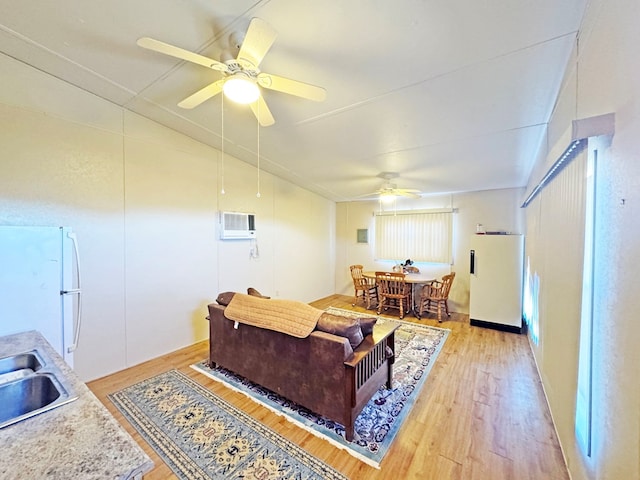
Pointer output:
x,y
143,200
497,210
604,77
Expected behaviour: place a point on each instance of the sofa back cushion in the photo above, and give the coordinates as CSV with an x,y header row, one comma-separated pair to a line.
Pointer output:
x,y
224,298
367,324
341,326
255,293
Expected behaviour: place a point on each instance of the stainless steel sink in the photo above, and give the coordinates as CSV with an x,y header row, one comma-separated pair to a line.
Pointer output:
x,y
28,388
18,366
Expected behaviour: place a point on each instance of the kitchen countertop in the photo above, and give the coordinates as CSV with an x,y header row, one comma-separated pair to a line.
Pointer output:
x,y
80,440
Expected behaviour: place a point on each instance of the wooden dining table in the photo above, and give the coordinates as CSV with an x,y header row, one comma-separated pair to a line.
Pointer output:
x,y
411,278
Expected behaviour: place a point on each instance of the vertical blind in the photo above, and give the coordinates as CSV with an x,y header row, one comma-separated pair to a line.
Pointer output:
x,y
555,250
423,236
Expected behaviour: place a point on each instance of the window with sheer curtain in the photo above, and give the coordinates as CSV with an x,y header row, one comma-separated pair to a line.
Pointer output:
x,y
422,236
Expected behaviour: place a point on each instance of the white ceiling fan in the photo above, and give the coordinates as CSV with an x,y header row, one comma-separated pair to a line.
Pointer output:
x,y
242,77
390,191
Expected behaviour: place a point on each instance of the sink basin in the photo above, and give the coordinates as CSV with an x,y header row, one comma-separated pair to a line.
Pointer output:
x,y
20,365
26,395
26,389
21,361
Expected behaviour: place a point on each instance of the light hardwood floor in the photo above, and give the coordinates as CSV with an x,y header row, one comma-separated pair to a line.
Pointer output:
x,y
481,413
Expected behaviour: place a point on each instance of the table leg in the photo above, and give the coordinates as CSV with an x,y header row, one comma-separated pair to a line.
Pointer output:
x,y
414,307
391,343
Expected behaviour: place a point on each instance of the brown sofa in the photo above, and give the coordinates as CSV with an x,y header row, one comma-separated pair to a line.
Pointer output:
x,y
322,371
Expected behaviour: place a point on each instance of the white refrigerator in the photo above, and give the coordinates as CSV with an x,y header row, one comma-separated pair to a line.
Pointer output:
x,y
495,287
40,285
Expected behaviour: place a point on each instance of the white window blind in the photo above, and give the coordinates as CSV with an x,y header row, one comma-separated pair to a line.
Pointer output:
x,y
423,236
556,226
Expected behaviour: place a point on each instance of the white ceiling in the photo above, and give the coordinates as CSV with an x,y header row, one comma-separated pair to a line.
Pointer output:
x,y
451,94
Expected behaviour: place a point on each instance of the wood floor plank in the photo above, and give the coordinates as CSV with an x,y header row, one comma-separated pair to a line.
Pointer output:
x,y
481,413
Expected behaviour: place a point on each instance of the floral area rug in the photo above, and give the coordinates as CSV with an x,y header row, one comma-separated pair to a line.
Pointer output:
x,y
417,347
200,436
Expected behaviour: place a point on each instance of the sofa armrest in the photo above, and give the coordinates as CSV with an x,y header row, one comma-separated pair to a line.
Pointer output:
x,y
361,351
383,335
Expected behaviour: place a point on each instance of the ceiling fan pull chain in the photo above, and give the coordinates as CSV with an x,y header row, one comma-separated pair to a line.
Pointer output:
x,y
222,133
258,122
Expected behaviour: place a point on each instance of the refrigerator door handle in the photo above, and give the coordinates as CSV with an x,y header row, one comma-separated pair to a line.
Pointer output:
x,y
75,291
472,262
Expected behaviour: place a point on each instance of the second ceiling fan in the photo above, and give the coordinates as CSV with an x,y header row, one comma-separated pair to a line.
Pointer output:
x,y
389,191
242,77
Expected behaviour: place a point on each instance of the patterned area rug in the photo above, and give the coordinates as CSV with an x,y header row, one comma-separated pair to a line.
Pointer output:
x,y
417,347
200,436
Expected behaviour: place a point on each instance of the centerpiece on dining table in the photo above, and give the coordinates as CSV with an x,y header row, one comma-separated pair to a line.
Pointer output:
x,y
406,267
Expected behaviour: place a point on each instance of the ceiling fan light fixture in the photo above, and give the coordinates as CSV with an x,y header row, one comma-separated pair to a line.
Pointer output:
x,y
241,89
387,197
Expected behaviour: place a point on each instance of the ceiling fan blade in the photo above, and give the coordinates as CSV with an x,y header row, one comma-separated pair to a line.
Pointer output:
x,y
177,52
393,192
405,193
292,87
200,96
262,112
257,42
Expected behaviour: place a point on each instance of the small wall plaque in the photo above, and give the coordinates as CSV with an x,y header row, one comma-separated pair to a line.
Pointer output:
x,y
363,235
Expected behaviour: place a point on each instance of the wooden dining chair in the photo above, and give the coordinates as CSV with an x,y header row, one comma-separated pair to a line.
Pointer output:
x,y
362,284
394,292
435,294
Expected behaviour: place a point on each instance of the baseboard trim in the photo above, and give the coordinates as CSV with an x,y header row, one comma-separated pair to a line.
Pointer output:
x,y
495,326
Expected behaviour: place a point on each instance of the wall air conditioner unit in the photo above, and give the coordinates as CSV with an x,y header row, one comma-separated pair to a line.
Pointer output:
x,y
237,226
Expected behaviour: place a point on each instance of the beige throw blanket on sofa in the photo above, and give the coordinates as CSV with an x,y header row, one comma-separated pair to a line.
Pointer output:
x,y
287,316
